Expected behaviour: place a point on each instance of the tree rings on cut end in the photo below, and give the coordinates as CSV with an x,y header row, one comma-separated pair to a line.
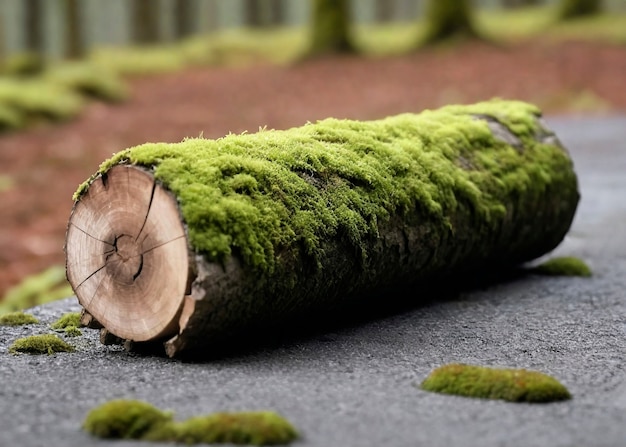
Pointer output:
x,y
127,255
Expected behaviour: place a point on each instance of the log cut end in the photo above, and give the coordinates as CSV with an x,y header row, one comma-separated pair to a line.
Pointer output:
x,y
127,255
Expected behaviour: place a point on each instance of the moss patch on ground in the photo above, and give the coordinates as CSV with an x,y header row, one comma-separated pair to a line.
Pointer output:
x,y
513,385
17,319
563,266
286,191
69,324
36,289
40,344
132,419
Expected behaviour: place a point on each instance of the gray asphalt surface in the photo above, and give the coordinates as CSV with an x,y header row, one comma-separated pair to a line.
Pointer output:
x,y
355,386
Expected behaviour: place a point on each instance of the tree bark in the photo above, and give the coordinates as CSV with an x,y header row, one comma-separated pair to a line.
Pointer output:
x,y
185,12
570,9
330,28
135,263
448,18
145,21
33,26
74,40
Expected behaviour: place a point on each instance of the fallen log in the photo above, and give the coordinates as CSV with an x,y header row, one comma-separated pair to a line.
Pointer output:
x,y
191,243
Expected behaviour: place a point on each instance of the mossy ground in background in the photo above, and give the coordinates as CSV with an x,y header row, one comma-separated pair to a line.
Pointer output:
x,y
563,266
40,100
513,385
89,79
69,324
263,189
17,319
132,419
49,285
40,344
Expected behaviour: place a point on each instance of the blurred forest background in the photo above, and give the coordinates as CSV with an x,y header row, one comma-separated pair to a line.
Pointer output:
x,y
82,79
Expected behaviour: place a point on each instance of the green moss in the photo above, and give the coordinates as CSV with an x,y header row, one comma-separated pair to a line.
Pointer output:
x,y
40,344
131,419
36,98
563,266
286,191
89,79
124,419
36,289
67,320
69,324
24,64
256,428
17,318
514,385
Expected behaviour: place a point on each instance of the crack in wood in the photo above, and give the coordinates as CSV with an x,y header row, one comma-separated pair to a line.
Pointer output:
x,y
145,220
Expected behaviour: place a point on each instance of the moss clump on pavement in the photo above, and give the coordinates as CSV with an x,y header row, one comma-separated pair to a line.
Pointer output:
x,y
17,319
513,385
69,324
132,419
40,344
287,191
563,266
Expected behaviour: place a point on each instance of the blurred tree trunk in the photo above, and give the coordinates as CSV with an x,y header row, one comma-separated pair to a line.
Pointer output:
x,y
520,3
74,42
578,8
33,26
384,10
259,13
252,13
277,12
448,18
145,21
330,27
184,18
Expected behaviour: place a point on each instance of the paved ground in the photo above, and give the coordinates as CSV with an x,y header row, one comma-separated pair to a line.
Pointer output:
x,y
356,386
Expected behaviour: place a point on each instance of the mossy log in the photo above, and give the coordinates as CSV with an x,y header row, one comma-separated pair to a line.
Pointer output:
x,y
194,242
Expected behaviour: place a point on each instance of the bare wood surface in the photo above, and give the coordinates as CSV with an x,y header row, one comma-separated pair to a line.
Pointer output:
x,y
127,255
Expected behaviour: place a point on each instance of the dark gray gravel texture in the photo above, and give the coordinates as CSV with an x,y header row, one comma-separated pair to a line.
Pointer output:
x,y
356,385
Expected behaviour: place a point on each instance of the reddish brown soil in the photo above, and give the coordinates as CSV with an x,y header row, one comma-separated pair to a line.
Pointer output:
x,y
47,163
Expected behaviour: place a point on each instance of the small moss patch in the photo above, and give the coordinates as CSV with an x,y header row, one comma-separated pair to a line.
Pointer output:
x,y
563,266
17,319
132,419
513,385
40,344
69,319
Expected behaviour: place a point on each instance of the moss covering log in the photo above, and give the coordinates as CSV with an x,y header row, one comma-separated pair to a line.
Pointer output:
x,y
197,241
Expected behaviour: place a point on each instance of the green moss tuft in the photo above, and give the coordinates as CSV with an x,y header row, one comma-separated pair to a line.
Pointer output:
x,y
124,419
286,191
131,419
513,385
40,344
89,79
67,320
563,266
17,319
256,428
